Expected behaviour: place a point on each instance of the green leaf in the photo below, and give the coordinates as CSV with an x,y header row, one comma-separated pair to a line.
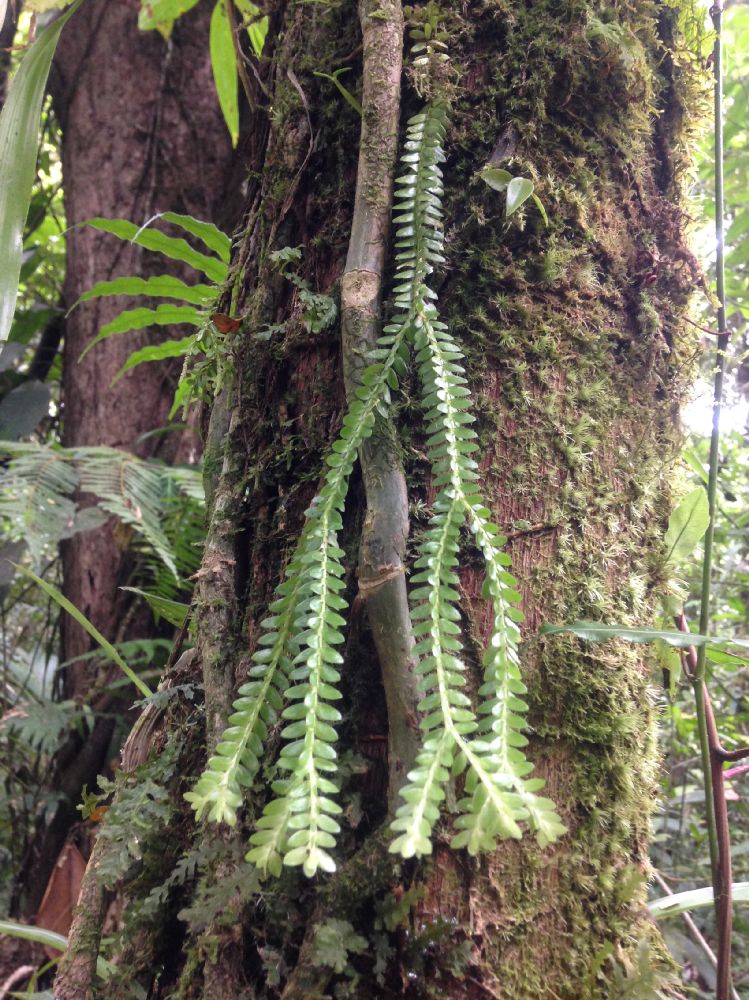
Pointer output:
x,y
518,190
598,632
49,939
162,286
681,902
19,140
140,319
161,14
687,525
343,91
206,232
224,63
257,29
694,462
175,612
89,627
542,210
169,246
496,178
157,352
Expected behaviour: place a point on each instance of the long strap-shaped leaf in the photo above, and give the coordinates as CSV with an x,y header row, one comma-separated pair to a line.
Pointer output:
x,y
19,140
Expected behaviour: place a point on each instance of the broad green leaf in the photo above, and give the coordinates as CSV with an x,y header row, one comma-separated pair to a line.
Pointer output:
x,y
224,63
161,14
496,178
680,902
209,234
22,408
19,139
49,939
175,612
518,190
162,286
89,627
157,352
687,525
140,319
152,239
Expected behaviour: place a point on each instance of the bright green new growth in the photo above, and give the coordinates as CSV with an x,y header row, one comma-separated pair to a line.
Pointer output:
x,y
297,660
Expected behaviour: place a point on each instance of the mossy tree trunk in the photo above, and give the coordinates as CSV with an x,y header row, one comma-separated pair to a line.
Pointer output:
x,y
577,360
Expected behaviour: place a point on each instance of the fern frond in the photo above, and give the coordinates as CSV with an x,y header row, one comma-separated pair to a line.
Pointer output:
x,y
297,661
130,489
36,498
39,481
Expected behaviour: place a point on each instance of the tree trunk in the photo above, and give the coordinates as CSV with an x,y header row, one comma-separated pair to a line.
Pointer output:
x,y
577,362
142,134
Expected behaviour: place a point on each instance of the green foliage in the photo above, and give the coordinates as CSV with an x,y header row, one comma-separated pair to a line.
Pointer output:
x,y
224,64
19,140
297,659
39,482
687,525
140,810
106,647
318,311
334,941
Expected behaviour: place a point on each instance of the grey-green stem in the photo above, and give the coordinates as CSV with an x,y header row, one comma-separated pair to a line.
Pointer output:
x,y
382,580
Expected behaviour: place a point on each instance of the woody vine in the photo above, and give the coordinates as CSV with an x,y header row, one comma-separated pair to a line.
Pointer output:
x,y
295,667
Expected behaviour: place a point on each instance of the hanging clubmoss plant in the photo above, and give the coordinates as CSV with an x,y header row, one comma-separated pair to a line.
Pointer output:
x,y
295,667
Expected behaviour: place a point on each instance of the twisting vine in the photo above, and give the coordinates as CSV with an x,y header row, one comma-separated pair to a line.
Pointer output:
x,y
296,664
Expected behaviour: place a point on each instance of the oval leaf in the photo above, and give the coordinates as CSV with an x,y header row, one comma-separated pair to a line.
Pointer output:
x,y
496,178
518,190
687,525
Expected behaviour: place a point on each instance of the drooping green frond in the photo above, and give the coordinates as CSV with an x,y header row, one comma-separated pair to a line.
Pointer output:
x,y
36,498
295,668
298,660
37,502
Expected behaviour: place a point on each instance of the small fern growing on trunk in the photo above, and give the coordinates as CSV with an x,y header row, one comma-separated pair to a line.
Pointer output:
x,y
295,668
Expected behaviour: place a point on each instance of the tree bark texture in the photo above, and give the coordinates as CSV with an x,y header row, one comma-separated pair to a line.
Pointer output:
x,y
577,360
142,134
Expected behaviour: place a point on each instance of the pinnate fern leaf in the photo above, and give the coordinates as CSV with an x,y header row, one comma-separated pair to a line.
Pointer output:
x,y
295,667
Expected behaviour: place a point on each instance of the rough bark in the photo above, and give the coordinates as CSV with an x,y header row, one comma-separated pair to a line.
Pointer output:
x,y
141,133
577,362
